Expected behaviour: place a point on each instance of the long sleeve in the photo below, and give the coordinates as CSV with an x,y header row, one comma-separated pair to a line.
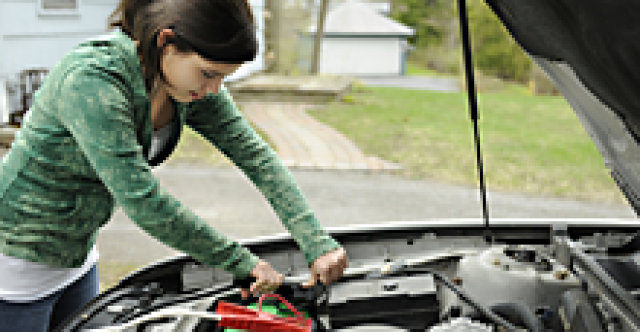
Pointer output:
x,y
96,108
217,119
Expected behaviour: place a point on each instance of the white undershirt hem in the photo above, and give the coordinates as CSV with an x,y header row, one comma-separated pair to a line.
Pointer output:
x,y
26,281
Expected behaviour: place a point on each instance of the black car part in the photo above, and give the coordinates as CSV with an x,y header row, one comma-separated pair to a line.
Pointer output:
x,y
607,281
620,301
409,302
598,41
630,247
404,270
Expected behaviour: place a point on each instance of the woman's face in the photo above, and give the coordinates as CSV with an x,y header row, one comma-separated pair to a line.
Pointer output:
x,y
190,76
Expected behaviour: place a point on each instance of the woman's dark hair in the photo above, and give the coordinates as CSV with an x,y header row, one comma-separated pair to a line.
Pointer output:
x,y
218,30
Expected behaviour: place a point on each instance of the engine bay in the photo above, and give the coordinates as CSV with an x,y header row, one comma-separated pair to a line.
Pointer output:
x,y
414,278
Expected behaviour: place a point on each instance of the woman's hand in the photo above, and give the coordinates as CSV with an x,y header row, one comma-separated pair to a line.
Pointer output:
x,y
267,279
328,267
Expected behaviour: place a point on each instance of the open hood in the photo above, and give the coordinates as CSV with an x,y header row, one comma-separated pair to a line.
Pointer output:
x,y
590,49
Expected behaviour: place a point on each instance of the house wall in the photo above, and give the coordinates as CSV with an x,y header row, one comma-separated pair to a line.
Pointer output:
x,y
31,39
361,56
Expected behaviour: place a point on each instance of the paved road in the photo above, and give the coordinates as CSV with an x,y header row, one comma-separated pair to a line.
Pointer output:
x,y
232,205
413,82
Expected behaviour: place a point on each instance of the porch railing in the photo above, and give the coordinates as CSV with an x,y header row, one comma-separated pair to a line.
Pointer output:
x,y
30,82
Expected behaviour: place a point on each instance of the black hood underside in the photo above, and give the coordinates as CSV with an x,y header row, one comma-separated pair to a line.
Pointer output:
x,y
596,44
599,39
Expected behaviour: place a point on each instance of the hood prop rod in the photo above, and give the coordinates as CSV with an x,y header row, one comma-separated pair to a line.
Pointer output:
x,y
473,109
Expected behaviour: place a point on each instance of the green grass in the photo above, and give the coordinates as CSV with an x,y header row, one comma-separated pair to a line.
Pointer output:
x,y
530,144
417,70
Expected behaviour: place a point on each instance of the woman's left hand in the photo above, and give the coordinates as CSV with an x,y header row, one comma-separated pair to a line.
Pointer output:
x,y
328,267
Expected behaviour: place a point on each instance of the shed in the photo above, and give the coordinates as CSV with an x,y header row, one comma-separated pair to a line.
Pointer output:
x,y
37,33
360,41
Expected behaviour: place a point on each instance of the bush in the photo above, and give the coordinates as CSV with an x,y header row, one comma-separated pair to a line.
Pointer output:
x,y
495,51
438,58
424,17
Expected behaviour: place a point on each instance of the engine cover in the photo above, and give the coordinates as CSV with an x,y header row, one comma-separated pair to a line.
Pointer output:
x,y
406,302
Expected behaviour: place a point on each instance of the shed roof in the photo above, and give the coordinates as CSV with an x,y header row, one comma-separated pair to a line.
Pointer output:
x,y
357,19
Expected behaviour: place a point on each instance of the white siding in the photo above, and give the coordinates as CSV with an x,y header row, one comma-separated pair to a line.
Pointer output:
x,y
30,38
33,39
361,56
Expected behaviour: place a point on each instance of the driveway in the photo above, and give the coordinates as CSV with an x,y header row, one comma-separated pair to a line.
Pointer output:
x,y
233,206
442,84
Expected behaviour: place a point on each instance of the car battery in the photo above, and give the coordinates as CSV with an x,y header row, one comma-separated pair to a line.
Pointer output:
x,y
408,302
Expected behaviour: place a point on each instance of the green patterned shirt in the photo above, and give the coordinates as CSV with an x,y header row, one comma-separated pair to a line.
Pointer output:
x,y
83,149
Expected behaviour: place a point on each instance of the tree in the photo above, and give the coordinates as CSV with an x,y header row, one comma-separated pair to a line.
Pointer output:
x,y
437,46
495,51
317,46
429,19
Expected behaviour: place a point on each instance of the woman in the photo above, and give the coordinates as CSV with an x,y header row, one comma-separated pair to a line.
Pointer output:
x,y
110,109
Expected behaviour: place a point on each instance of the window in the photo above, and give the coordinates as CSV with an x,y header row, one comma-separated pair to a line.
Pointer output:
x,y
58,7
59,4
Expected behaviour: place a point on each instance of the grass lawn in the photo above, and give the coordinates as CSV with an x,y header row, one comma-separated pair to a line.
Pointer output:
x,y
530,144
416,70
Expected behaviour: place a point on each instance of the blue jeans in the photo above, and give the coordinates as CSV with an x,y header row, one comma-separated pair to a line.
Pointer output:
x,y
47,313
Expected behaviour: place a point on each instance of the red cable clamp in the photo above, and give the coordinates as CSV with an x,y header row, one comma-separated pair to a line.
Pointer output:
x,y
239,317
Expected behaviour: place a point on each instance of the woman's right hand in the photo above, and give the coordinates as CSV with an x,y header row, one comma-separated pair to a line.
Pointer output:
x,y
267,279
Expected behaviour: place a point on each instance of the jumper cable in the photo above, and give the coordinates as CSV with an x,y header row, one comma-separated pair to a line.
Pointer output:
x,y
230,315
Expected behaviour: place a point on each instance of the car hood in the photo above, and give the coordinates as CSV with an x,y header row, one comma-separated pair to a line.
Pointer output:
x,y
590,49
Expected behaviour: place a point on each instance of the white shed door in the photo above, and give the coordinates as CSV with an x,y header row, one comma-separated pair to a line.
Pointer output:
x,y
361,56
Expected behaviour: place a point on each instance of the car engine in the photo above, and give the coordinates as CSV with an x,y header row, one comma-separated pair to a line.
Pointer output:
x,y
409,278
